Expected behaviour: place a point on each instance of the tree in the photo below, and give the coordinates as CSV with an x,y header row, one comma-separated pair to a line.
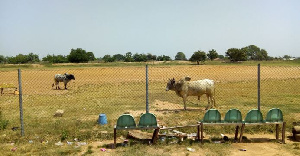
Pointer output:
x,y
180,56
212,54
48,58
11,60
21,59
18,59
154,57
270,58
221,56
78,55
235,54
163,58
33,58
108,58
91,56
128,57
255,53
119,57
60,59
139,57
198,56
151,57
2,59
286,57
262,55
55,59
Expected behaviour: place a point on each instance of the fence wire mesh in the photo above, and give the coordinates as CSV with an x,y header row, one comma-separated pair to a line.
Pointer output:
x,y
117,90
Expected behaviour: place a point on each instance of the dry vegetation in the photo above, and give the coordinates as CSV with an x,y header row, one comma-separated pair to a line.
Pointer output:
x,y
115,90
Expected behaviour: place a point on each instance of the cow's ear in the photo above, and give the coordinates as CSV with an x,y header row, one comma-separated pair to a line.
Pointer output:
x,y
173,80
187,78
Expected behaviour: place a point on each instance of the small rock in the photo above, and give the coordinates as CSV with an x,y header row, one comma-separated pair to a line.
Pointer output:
x,y
59,113
69,143
59,143
14,149
190,149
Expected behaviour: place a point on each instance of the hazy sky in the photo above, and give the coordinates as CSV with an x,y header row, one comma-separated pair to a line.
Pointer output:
x,y
159,27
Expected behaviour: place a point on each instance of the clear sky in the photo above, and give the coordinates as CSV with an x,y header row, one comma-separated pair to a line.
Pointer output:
x,y
159,27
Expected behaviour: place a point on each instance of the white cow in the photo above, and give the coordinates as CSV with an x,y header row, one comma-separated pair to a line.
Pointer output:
x,y
184,88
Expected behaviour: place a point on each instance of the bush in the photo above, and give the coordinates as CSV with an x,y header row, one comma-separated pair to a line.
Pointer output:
x,y
64,135
3,123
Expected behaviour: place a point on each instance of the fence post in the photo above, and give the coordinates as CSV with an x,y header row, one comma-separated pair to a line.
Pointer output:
x,y
21,102
258,86
147,102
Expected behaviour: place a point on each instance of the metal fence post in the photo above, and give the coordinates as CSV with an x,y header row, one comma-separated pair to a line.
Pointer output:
x,y
258,86
21,102
147,102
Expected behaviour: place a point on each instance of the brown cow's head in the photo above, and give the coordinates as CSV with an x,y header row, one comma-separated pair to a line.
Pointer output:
x,y
170,84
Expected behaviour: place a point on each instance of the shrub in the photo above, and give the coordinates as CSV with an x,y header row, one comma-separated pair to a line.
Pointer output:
x,y
3,123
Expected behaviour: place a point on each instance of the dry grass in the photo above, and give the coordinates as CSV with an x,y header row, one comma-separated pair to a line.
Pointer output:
x,y
115,90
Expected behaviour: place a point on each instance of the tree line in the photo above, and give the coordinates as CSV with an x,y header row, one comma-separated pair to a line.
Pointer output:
x,y
79,55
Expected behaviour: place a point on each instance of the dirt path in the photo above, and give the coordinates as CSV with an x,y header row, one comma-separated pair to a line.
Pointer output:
x,y
261,144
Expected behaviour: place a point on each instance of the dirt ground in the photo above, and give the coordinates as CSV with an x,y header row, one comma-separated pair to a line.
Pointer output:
x,y
261,144
258,144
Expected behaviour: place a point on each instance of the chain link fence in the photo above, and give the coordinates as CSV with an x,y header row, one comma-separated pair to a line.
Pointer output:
x,y
117,90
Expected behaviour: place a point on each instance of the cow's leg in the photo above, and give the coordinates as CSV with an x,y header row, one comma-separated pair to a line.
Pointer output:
x,y
57,85
184,101
65,85
213,97
208,102
213,100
